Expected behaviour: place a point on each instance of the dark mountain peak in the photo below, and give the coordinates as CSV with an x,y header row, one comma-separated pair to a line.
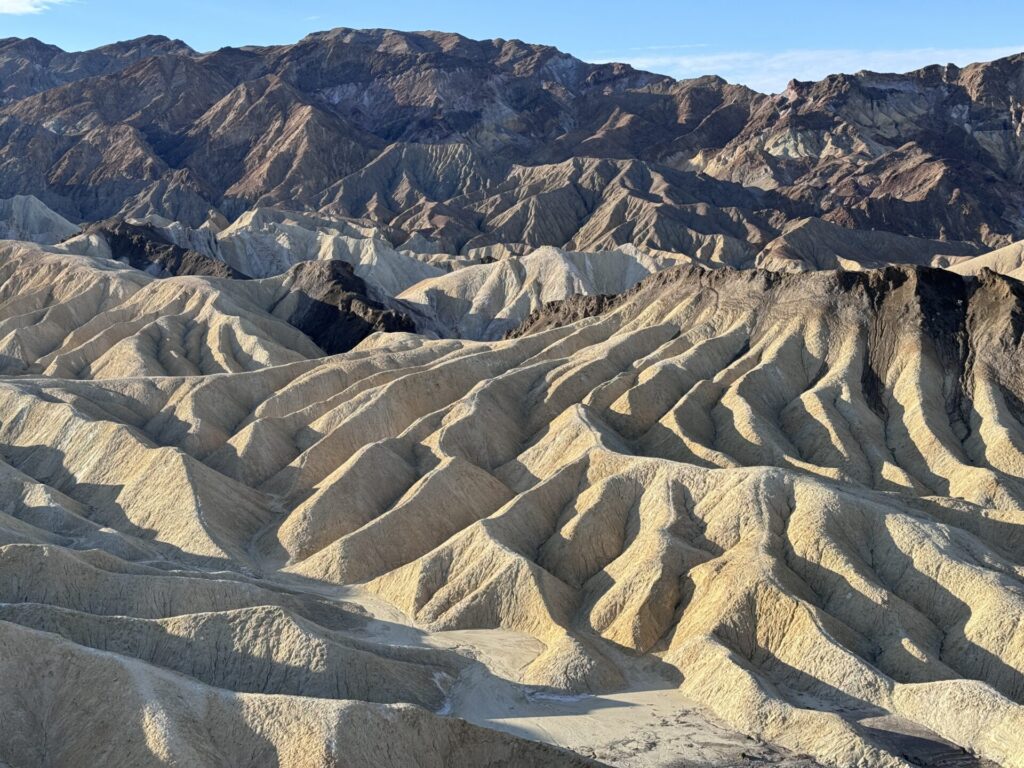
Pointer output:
x,y
935,153
142,246
144,44
328,302
27,46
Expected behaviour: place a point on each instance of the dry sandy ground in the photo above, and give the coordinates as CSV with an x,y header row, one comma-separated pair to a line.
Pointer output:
x,y
650,724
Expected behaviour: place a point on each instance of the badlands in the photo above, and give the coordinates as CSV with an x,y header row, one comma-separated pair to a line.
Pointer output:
x,y
477,441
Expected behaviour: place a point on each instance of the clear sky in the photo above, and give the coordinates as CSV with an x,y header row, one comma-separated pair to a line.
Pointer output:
x,y
761,44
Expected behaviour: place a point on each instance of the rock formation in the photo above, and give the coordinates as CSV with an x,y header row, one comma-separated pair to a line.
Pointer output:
x,y
796,491
477,143
402,399
25,218
487,300
144,247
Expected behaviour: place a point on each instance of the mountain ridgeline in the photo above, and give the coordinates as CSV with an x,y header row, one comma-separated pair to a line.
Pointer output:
x,y
401,399
471,143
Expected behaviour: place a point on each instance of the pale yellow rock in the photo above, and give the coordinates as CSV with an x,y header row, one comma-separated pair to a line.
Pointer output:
x,y
796,498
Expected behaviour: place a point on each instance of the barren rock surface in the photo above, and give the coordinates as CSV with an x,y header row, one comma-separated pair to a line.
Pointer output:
x,y
401,399
477,144
782,506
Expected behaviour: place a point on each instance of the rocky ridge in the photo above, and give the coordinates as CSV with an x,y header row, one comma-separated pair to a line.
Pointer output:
x,y
472,144
791,496
466,397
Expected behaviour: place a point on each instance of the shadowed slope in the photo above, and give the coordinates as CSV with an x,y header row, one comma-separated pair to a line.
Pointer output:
x,y
801,492
471,144
73,316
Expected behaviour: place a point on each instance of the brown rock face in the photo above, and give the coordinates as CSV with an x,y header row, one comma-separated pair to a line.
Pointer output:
x,y
469,143
30,66
143,247
555,314
329,303
934,153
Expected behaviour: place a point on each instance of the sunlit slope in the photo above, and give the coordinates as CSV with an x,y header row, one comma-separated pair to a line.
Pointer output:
x,y
803,492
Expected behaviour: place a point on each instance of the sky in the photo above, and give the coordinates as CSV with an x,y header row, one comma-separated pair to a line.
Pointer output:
x,y
760,44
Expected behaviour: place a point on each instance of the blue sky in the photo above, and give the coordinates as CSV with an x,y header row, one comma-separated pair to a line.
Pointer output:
x,y
757,43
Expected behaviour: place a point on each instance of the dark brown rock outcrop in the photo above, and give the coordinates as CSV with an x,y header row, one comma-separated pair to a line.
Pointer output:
x,y
328,302
144,247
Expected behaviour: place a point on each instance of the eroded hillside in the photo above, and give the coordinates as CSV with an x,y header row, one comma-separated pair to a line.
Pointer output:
x,y
796,494
471,144
402,399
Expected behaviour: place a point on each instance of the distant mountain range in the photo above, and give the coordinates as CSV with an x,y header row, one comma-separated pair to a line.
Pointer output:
x,y
397,399
467,144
